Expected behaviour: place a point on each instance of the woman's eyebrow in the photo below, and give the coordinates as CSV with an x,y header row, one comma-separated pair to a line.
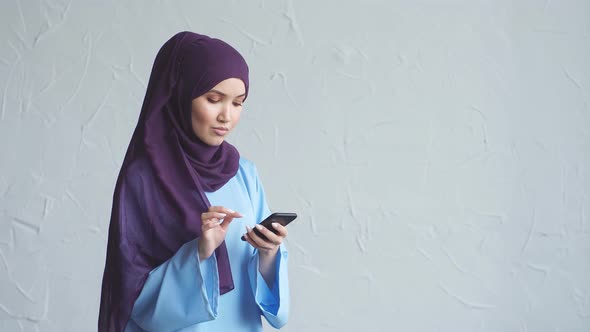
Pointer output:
x,y
223,94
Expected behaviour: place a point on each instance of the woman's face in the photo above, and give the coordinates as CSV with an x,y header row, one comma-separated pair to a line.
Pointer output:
x,y
217,112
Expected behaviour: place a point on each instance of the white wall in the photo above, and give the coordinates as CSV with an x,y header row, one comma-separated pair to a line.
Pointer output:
x,y
437,152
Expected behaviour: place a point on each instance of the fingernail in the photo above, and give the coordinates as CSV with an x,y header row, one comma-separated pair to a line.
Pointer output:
x,y
231,211
223,215
259,227
248,229
275,224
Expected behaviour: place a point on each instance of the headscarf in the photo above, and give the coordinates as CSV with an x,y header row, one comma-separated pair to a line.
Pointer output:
x,y
160,190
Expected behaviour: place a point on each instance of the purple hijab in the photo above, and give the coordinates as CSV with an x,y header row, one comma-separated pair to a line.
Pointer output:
x,y
160,191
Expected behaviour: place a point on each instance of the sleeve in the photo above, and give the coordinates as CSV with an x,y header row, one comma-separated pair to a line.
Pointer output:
x,y
273,302
181,292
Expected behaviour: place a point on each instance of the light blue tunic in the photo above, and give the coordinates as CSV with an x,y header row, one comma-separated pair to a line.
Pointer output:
x,y
182,294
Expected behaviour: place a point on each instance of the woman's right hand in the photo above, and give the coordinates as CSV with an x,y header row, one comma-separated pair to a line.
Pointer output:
x,y
213,228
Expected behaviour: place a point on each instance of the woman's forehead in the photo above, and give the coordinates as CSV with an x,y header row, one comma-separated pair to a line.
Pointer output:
x,y
232,87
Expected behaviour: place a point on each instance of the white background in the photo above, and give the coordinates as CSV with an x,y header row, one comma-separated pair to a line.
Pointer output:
x,y
437,153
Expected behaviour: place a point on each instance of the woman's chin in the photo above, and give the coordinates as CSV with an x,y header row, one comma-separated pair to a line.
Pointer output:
x,y
216,141
211,140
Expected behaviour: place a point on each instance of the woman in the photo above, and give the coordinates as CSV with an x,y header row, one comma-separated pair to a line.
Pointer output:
x,y
183,199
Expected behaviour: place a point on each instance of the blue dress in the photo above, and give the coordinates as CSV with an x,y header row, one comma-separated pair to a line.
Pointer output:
x,y
182,294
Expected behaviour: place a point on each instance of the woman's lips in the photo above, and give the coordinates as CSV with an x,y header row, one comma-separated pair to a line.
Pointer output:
x,y
220,131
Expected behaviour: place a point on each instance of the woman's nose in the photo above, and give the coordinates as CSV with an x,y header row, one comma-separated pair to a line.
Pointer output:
x,y
225,115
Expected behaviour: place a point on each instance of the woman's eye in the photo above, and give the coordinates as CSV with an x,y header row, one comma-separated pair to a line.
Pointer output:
x,y
238,104
212,100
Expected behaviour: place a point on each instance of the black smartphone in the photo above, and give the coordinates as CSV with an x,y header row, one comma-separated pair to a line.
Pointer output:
x,y
282,218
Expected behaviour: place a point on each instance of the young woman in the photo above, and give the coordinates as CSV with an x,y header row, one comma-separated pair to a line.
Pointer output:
x,y
183,199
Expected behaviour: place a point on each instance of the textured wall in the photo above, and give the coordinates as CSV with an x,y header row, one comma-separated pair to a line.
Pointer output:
x,y
437,152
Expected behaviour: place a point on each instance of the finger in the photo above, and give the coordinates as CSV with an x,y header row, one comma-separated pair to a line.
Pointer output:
x,y
249,240
216,208
211,221
225,223
266,246
237,214
258,242
209,226
225,210
281,229
208,215
272,237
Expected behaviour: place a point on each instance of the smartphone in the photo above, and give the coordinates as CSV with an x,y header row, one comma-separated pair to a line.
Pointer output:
x,y
282,218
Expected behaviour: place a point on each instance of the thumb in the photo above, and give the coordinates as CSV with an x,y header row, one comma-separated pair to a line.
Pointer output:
x,y
225,223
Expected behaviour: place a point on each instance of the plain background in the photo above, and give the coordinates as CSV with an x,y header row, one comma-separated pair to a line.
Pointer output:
x,y
437,153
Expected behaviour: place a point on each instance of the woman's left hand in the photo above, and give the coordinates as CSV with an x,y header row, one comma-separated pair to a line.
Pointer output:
x,y
274,240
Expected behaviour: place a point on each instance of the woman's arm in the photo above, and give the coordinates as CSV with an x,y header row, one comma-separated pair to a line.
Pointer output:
x,y
267,269
184,290
267,250
181,292
273,301
267,266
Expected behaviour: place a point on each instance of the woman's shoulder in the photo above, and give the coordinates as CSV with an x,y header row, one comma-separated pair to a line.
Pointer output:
x,y
247,164
248,172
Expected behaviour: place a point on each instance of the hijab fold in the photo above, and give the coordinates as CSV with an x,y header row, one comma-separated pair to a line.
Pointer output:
x,y
160,190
